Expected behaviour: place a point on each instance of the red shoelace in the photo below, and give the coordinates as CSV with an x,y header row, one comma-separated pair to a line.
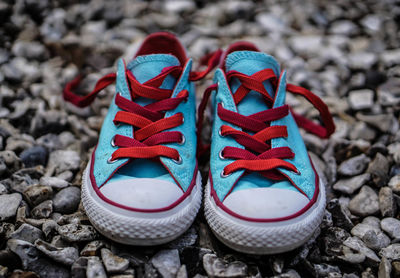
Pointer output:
x,y
149,121
258,155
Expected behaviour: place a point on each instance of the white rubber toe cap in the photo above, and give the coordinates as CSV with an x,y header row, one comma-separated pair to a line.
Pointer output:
x,y
142,193
265,202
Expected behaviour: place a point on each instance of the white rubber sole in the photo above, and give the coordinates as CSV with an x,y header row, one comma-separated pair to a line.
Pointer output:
x,y
138,228
263,238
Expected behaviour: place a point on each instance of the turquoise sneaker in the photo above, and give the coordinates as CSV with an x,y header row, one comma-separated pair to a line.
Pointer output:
x,y
263,194
142,185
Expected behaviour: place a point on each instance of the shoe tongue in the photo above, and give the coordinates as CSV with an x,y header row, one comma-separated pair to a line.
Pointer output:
x,y
250,62
147,67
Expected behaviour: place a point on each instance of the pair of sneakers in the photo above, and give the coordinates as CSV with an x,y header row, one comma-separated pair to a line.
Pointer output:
x,y
142,185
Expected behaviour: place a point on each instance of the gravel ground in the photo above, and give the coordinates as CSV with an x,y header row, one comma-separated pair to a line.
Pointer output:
x,y
345,51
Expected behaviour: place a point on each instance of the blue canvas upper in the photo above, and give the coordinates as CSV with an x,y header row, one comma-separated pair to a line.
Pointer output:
x,y
144,68
250,62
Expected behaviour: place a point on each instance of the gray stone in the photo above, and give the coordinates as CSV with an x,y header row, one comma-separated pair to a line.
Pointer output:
x,y
167,262
358,245
182,273
36,194
113,263
386,123
391,57
64,160
344,27
376,240
354,166
30,50
369,223
32,260
362,131
92,248
49,226
379,168
53,182
394,184
43,210
392,252
215,267
385,268
351,256
65,256
350,185
363,61
365,202
361,99
3,189
391,226
387,203
67,200
8,205
27,233
95,268
77,232
78,268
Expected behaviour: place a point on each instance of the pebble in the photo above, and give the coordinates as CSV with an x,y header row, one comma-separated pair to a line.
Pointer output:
x,y
113,263
369,223
34,156
391,226
350,185
64,160
92,248
358,245
376,240
32,261
36,194
379,168
78,268
361,99
392,252
8,205
394,184
387,203
67,200
167,262
385,268
27,233
66,256
77,232
354,166
95,268
365,202
43,210
215,267
54,182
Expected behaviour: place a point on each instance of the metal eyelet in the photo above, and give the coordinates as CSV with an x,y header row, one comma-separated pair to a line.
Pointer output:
x,y
223,175
179,161
220,154
183,140
110,160
220,132
113,142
